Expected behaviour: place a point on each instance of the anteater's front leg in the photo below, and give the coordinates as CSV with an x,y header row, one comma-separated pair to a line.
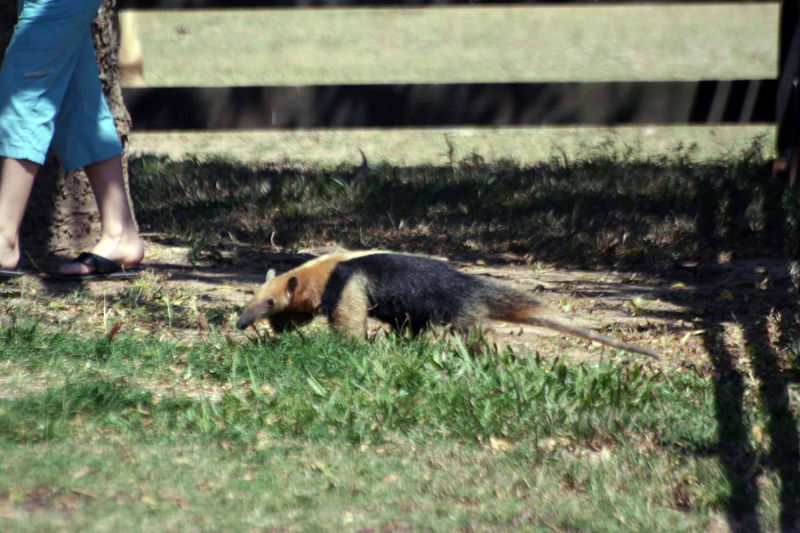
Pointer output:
x,y
286,322
350,313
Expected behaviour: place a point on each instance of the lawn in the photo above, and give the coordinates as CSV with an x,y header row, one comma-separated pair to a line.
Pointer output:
x,y
139,405
130,406
103,432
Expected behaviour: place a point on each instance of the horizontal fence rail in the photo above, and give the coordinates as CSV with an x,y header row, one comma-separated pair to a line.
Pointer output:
x,y
459,104
477,104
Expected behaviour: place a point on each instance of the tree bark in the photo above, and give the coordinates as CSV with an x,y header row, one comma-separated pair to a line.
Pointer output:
x,y
61,216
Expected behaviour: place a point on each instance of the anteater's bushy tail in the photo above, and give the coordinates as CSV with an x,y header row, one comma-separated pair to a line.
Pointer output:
x,y
511,305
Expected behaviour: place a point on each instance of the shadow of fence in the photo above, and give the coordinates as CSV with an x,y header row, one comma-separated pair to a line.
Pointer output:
x,y
612,210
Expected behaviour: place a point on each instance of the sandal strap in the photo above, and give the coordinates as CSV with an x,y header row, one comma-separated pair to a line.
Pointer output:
x,y
99,264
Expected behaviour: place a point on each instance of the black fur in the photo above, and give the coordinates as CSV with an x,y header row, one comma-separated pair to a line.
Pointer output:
x,y
286,322
406,291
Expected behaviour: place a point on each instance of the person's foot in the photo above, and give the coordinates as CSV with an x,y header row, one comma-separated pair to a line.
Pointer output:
x,y
128,251
9,253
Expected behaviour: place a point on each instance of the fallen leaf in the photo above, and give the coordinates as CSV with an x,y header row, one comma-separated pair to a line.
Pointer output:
x,y
81,472
497,444
690,334
758,435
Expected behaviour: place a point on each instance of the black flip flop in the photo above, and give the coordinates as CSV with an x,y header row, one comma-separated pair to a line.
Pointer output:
x,y
103,269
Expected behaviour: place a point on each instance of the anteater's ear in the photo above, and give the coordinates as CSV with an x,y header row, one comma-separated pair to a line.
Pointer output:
x,y
270,274
291,285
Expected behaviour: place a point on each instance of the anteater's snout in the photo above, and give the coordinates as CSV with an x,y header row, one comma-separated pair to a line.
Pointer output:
x,y
247,318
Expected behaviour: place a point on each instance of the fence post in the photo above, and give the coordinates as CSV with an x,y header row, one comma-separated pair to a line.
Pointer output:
x,y
787,110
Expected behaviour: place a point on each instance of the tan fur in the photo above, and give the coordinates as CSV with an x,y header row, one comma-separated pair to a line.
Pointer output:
x,y
307,296
534,314
351,314
312,277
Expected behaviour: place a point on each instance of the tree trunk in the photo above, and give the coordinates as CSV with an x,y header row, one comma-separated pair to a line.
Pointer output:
x,y
61,217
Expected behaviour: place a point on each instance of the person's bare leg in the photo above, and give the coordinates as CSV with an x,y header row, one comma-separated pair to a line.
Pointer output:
x,y
119,236
16,182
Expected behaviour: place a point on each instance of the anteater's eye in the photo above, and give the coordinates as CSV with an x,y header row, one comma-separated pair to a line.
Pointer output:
x,y
270,303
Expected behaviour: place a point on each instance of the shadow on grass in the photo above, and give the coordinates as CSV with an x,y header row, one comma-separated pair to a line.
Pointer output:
x,y
760,311
611,211
744,464
672,219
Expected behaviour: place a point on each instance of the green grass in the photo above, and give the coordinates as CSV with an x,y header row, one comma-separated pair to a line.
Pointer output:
x,y
437,146
325,386
563,43
321,433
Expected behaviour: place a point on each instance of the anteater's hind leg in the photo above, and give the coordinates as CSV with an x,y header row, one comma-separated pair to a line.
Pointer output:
x,y
474,328
350,314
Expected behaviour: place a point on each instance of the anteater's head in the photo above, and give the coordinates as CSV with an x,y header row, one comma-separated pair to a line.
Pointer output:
x,y
273,297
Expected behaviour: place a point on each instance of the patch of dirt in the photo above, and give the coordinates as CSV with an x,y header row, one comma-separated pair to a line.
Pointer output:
x,y
685,314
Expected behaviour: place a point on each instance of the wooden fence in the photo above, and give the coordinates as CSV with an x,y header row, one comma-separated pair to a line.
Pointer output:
x,y
474,104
